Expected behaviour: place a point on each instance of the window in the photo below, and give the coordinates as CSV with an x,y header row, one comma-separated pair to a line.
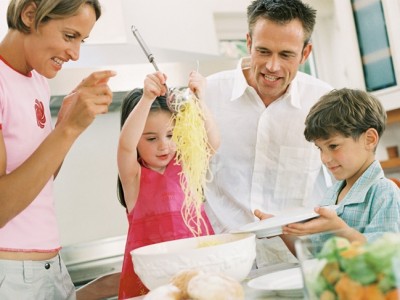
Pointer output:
x,y
374,44
233,48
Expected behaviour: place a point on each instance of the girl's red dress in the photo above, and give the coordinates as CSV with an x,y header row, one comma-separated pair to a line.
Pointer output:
x,y
155,218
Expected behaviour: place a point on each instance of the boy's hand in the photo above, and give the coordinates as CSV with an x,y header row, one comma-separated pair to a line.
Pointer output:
x,y
328,220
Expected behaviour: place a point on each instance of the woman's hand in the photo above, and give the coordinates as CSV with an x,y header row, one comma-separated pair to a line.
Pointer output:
x,y
91,97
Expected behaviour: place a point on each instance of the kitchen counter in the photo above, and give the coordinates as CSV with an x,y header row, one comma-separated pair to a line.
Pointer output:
x,y
254,294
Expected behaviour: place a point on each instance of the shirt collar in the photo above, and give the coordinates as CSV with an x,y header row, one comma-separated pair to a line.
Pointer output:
x,y
241,85
293,93
358,191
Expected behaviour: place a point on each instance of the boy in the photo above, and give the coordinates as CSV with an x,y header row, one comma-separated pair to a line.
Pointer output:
x,y
346,126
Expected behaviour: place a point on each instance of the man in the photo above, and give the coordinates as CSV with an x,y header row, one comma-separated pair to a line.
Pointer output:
x,y
264,161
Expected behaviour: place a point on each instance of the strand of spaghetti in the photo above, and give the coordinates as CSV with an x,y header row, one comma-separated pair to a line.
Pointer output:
x,y
193,154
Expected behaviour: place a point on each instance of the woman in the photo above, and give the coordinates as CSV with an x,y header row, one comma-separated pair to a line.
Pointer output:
x,y
42,35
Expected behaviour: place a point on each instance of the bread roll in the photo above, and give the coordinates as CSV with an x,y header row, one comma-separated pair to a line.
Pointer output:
x,y
181,280
206,286
164,292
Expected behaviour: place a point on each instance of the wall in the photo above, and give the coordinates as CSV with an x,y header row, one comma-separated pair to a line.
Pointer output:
x,y
85,189
391,137
187,25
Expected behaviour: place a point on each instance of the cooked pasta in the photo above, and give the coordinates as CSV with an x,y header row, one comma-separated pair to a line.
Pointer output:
x,y
209,243
193,154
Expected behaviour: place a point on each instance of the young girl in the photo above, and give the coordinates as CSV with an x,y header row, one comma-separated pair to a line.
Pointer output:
x,y
149,181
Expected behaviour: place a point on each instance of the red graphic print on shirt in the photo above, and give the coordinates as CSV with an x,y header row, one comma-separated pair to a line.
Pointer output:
x,y
40,116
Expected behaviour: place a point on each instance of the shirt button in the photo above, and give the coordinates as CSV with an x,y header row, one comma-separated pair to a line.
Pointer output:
x,y
47,266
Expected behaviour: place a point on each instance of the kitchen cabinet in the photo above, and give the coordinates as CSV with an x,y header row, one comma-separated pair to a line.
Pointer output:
x,y
393,164
393,116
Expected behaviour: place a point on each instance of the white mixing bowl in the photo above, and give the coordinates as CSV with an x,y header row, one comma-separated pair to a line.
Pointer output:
x,y
230,254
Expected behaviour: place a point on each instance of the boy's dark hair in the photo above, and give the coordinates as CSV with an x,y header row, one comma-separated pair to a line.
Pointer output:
x,y
348,112
128,104
282,12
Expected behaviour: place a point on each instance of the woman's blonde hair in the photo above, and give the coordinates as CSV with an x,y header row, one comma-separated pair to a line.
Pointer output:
x,y
46,10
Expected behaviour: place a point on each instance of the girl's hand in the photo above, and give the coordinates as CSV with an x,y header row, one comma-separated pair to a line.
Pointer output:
x,y
154,86
328,220
197,84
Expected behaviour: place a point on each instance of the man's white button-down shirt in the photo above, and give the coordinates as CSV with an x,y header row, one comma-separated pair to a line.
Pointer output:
x,y
264,160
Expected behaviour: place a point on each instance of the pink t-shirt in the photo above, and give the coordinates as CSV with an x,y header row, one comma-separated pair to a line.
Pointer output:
x,y
25,122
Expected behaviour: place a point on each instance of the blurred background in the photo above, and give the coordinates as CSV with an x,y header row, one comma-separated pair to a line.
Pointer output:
x,y
356,45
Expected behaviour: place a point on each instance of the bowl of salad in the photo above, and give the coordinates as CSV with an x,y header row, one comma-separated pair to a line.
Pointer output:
x,y
334,268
